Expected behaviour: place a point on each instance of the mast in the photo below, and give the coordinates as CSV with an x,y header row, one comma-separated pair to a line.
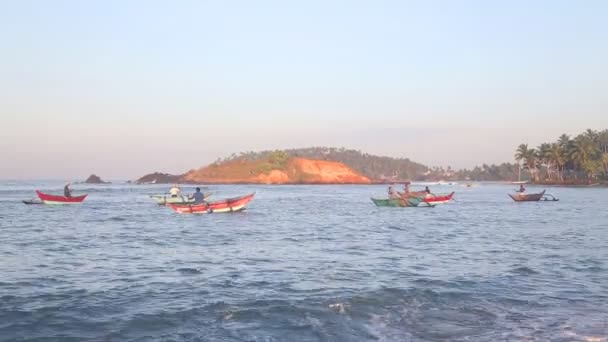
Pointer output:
x,y
519,174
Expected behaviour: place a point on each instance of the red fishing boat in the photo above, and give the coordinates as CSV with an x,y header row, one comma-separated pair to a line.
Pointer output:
x,y
53,199
223,206
431,199
438,199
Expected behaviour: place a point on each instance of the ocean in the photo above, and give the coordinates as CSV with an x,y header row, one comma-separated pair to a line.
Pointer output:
x,y
303,263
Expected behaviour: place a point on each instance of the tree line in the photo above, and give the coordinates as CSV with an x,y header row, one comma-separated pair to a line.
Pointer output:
x,y
568,159
583,157
501,172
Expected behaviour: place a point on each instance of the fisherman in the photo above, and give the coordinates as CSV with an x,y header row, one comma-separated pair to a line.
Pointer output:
x,y
198,196
521,188
66,190
174,191
391,193
427,190
406,187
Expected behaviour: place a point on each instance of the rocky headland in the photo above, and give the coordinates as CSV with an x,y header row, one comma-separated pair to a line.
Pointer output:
x,y
275,168
94,179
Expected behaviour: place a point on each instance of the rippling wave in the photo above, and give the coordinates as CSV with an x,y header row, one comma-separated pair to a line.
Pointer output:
x,y
304,263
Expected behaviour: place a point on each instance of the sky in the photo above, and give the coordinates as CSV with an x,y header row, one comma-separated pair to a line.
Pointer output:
x,y
125,88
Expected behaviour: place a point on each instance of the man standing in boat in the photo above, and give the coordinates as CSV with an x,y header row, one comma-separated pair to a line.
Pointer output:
x,y
66,190
521,188
406,187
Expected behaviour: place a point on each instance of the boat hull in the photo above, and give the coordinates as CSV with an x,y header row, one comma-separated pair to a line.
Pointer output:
x,y
412,201
438,199
431,199
166,200
527,197
53,199
224,206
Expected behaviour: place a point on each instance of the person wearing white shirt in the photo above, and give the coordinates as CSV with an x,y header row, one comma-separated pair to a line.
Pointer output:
x,y
174,192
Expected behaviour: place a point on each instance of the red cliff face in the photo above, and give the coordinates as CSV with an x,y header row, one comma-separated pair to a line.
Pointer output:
x,y
326,172
296,171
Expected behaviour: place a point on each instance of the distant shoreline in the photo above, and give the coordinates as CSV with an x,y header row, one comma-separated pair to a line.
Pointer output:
x,y
415,183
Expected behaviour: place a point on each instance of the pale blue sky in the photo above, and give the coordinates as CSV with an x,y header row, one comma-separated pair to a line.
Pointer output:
x,y
122,88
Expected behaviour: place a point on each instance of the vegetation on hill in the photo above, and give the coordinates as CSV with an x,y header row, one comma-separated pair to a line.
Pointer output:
x,y
584,157
581,159
377,168
275,168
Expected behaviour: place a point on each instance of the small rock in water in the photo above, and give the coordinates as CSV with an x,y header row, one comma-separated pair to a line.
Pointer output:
x,y
94,179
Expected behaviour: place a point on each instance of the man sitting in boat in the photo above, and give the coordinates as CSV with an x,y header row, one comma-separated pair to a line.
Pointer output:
x,y
427,190
521,188
391,193
406,187
198,196
66,190
174,191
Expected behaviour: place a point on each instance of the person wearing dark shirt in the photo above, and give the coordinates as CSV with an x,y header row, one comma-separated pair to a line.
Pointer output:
x,y
521,188
427,190
66,190
198,196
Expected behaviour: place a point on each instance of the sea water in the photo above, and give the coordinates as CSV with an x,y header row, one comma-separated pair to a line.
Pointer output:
x,y
304,263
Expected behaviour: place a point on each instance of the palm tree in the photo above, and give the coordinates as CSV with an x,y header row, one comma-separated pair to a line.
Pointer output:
x,y
528,156
583,154
603,141
603,146
531,163
563,141
558,159
565,145
544,158
520,154
605,163
591,135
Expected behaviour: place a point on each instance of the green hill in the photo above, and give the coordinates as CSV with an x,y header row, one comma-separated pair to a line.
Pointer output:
x,y
376,168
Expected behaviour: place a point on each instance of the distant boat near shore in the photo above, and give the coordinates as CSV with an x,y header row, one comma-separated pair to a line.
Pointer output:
x,y
542,196
439,183
562,184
